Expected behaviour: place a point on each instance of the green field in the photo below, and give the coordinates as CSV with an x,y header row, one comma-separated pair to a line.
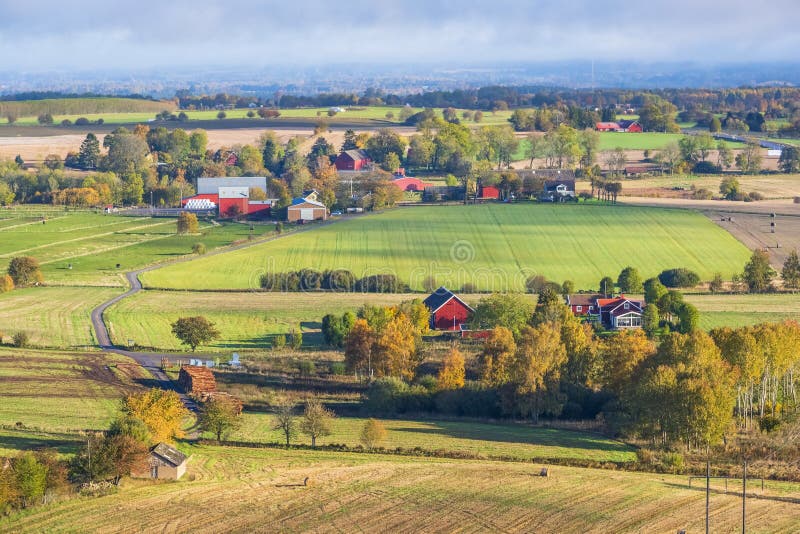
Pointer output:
x,y
612,140
744,310
27,111
370,113
248,490
93,244
516,441
494,246
53,317
60,392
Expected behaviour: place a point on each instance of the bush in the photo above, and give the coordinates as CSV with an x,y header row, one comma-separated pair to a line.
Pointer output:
x,y
706,167
306,368
199,248
703,194
679,277
673,462
768,423
278,341
21,340
221,115
754,196
82,121
338,369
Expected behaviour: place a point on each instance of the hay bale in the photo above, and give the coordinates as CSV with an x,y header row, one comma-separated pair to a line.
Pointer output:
x,y
545,472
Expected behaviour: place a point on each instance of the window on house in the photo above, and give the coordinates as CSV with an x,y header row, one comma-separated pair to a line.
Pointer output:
x,y
579,308
627,306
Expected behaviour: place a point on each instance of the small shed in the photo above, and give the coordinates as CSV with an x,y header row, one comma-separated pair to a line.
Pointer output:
x,y
164,463
489,192
196,379
448,312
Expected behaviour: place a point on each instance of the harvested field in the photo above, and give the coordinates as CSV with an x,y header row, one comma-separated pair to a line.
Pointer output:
x,y
743,310
62,391
243,490
780,186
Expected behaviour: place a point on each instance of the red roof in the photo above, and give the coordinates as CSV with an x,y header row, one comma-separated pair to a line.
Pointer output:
x,y
410,184
607,126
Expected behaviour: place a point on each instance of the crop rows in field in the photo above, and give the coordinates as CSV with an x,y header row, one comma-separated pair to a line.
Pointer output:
x,y
494,246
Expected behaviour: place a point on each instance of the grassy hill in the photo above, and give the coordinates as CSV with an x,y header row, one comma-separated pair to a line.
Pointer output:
x,y
494,246
246,490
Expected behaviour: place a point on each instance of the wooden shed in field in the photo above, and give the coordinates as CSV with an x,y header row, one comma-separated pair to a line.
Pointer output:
x,y
164,463
197,380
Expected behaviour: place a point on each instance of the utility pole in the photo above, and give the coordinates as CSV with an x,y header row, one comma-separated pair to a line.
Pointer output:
x,y
708,489
744,497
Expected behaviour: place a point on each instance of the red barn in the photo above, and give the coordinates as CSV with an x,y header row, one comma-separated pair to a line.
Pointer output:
x,y
448,312
607,127
352,160
410,184
489,192
630,126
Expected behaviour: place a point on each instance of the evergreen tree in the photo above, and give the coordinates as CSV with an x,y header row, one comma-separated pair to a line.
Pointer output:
x,y
349,141
89,153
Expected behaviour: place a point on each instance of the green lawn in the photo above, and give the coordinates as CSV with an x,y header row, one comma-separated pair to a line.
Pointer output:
x,y
512,440
494,246
61,391
93,244
53,317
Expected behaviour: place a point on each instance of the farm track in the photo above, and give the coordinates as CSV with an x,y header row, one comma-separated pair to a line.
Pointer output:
x,y
151,361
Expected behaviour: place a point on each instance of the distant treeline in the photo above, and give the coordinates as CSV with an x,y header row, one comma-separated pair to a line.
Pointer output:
x,y
774,102
49,95
83,105
337,280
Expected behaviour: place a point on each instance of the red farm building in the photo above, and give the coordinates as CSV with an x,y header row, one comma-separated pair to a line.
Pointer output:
x,y
352,160
410,184
448,312
488,192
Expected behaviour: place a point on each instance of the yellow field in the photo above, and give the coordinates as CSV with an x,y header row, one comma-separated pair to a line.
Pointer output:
x,y
242,490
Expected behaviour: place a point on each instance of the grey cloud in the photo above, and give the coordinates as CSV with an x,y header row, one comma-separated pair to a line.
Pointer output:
x,y
92,33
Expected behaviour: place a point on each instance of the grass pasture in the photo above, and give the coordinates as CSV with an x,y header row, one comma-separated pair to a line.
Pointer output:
x,y
95,243
494,246
612,140
246,490
60,392
53,317
744,310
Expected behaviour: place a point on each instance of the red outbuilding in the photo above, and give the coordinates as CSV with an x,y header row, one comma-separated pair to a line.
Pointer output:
x,y
352,160
448,312
410,184
489,192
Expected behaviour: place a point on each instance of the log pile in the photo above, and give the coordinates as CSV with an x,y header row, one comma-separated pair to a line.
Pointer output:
x,y
196,380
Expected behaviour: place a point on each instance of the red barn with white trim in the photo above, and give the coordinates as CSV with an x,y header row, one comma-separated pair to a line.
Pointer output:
x,y
448,312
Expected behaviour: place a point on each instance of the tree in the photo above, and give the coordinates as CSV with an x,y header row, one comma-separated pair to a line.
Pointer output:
x,y
688,318
730,189
220,417
187,223
391,163
285,419
650,320
790,272
629,281
536,369
724,155
6,283
24,271
758,273
31,478
496,358
194,331
162,411
716,284
749,159
372,433
317,420
89,154
620,354
394,351
679,277
607,286
550,307
509,310
358,346
451,375
383,143
45,118
715,125
221,115
789,162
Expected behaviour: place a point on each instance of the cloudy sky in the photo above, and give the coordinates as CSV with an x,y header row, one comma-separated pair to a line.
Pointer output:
x,y
86,34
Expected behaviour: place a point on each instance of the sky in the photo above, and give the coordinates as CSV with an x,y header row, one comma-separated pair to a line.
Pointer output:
x,y
38,35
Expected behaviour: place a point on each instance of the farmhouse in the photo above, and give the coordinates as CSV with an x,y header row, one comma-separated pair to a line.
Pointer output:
x,y
352,160
558,191
197,380
303,209
448,312
163,463
230,195
619,126
613,313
